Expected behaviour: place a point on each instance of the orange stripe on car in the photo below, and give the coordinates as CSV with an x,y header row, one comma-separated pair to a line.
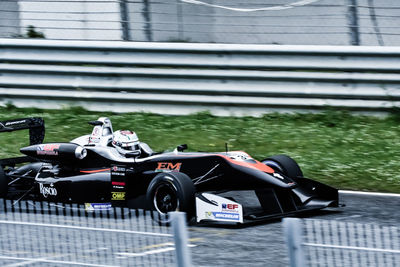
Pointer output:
x,y
94,171
258,165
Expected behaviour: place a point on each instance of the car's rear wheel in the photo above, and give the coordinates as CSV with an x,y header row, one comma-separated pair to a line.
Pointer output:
x,y
173,191
285,165
3,183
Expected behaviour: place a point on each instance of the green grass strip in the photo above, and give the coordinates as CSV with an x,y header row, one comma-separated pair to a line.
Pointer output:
x,y
346,151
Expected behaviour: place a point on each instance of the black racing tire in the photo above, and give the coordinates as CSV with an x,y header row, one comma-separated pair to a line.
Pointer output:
x,y
172,191
284,164
3,183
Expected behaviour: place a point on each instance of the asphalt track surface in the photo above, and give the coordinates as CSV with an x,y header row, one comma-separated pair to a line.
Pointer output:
x,y
255,245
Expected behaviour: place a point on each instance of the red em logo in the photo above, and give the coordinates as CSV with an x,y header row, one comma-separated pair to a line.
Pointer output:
x,y
168,166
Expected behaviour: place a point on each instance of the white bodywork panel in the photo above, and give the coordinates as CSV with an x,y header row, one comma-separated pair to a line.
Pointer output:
x,y
224,210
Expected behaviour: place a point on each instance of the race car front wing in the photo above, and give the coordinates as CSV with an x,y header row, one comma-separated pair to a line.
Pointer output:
x,y
244,206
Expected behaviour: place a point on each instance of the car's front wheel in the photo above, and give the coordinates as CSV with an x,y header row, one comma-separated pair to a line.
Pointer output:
x,y
285,165
173,191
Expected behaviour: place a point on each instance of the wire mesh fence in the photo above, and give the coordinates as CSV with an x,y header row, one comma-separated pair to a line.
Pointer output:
x,y
336,243
318,22
51,234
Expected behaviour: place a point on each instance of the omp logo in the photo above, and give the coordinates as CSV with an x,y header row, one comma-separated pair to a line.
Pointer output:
x,y
117,195
46,191
168,166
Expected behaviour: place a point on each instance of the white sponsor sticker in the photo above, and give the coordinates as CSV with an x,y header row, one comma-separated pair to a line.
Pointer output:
x,y
218,208
47,191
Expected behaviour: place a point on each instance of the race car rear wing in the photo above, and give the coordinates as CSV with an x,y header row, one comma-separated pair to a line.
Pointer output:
x,y
35,126
36,135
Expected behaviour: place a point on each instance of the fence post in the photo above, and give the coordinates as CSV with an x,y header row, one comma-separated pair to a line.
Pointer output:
x,y
124,13
178,220
353,22
293,237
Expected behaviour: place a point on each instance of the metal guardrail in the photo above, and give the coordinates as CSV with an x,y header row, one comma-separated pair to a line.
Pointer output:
x,y
54,234
333,243
180,78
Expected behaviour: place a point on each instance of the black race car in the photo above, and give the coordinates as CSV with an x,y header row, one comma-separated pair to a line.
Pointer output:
x,y
227,186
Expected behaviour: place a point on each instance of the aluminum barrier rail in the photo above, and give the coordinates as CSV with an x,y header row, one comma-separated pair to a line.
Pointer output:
x,y
36,233
182,78
313,242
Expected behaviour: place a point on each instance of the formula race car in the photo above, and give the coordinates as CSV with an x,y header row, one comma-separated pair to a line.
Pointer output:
x,y
227,187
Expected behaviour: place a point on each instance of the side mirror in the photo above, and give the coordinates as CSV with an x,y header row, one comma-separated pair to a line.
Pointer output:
x,y
132,154
181,148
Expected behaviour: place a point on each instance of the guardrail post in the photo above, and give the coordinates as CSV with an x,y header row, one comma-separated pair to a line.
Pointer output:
x,y
178,221
293,236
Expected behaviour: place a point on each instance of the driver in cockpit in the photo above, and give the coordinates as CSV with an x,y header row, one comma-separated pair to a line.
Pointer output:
x,y
126,141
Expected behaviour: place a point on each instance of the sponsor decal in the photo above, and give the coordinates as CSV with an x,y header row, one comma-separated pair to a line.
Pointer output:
x,y
94,139
118,169
209,215
118,173
117,195
97,206
96,131
168,166
47,191
14,122
48,149
230,207
118,185
126,132
226,216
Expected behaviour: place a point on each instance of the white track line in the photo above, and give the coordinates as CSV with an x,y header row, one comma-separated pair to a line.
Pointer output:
x,y
52,258
368,193
85,228
54,261
272,8
149,252
355,248
154,251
